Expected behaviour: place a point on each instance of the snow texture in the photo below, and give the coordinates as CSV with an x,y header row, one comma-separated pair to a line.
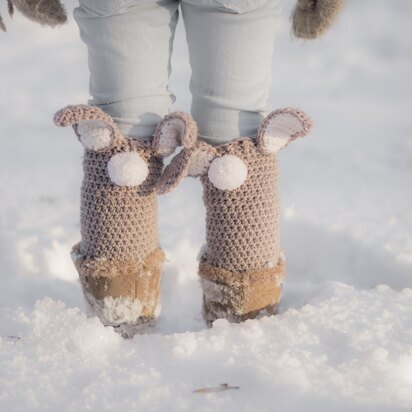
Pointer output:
x,y
94,134
342,340
127,169
227,172
115,311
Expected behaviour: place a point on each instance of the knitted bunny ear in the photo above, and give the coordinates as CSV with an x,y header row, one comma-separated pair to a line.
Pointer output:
x,y
280,128
95,129
174,172
193,161
312,18
175,129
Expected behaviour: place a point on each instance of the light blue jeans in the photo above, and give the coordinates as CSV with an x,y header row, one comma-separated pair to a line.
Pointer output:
x,y
231,44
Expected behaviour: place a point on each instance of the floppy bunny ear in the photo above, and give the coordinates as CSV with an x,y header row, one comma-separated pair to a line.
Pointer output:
x,y
193,161
95,129
174,172
175,129
280,128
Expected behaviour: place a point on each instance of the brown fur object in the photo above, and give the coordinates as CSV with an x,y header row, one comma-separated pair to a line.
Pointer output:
x,y
312,18
47,12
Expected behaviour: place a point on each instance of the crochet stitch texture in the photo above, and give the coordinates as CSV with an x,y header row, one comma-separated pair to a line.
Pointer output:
x,y
241,268
118,222
242,225
118,258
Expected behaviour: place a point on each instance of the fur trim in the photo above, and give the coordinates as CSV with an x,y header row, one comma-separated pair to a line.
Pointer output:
x,y
243,278
312,18
111,269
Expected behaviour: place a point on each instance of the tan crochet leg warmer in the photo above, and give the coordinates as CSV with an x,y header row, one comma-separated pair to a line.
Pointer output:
x,y
241,268
118,258
120,236
242,225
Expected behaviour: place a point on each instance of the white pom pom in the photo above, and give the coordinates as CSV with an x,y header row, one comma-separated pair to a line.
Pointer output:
x,y
127,169
227,172
94,134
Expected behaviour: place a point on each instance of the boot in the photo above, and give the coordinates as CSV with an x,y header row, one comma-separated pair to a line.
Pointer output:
x,y
241,267
119,259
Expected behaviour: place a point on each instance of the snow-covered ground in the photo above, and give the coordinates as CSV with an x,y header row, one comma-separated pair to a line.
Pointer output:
x,y
343,338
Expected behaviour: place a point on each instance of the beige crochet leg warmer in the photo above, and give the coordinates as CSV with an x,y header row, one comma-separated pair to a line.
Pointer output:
x,y
118,258
242,268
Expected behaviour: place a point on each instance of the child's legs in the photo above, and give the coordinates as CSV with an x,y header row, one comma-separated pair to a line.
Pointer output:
x,y
129,46
231,46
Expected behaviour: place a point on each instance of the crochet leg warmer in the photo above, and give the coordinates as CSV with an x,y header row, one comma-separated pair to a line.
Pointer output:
x,y
118,258
242,268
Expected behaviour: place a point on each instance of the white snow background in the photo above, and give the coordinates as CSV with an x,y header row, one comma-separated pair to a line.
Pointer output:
x,y
343,338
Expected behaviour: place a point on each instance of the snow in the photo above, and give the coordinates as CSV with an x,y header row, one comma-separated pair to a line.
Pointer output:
x,y
343,338
115,311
